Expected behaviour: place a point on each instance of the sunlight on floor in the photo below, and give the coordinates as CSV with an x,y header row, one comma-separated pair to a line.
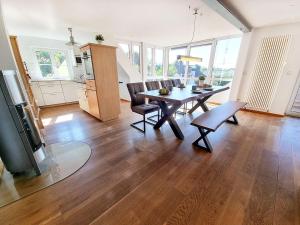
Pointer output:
x,y
64,118
59,119
46,121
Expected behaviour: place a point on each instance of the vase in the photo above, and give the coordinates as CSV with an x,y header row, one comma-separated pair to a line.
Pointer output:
x,y
99,42
201,83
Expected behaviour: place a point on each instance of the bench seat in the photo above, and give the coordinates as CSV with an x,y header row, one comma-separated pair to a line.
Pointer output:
x,y
211,120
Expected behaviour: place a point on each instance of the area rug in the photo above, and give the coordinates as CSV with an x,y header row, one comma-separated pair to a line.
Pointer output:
x,y
62,160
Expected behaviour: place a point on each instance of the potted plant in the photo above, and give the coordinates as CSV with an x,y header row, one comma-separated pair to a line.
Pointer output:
x,y
99,38
201,80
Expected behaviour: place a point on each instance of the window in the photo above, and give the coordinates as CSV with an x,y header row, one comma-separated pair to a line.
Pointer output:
x,y
176,67
45,63
136,57
199,68
159,62
52,63
149,61
125,48
225,61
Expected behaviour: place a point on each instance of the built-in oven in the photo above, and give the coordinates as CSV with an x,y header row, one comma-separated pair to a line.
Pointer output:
x,y
88,65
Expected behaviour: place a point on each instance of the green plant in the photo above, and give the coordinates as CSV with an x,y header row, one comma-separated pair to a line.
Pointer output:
x,y
99,37
202,77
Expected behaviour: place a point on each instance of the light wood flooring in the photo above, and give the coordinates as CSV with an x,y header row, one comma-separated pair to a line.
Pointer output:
x,y
252,177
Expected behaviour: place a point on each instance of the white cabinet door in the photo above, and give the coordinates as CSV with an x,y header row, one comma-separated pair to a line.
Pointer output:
x,y
53,98
83,101
71,92
38,96
51,88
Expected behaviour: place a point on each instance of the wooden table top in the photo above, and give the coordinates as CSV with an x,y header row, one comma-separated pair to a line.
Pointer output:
x,y
181,95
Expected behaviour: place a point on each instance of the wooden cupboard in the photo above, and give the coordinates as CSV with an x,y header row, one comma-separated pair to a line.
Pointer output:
x,y
102,93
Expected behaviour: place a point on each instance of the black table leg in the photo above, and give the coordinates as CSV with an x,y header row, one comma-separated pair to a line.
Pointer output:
x,y
168,116
200,103
233,121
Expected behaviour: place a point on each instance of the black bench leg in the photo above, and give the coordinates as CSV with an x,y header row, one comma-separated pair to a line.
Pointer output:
x,y
233,121
207,146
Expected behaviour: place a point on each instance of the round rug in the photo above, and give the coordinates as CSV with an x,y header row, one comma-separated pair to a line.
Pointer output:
x,y
61,160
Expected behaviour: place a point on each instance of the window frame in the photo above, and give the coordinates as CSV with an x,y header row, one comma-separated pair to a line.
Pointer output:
x,y
200,43
52,51
130,45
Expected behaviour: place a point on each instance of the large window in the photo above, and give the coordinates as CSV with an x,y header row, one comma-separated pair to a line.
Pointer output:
x,y
159,62
136,56
176,66
199,68
52,63
149,61
125,48
225,61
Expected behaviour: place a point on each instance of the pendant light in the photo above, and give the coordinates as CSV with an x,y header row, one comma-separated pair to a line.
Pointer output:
x,y
72,41
187,58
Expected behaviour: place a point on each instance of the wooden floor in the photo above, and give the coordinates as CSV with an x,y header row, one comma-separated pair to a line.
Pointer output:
x,y
252,177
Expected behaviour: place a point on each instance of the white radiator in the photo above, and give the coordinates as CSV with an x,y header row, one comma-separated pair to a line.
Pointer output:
x,y
268,68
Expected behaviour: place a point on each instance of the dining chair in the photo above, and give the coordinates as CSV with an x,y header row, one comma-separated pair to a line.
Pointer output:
x,y
176,82
153,85
139,106
166,83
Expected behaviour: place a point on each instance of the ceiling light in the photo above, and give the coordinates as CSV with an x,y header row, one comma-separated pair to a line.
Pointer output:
x,y
187,58
72,41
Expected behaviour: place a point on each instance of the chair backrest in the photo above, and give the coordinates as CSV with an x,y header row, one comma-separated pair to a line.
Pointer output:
x,y
133,89
152,85
166,83
176,82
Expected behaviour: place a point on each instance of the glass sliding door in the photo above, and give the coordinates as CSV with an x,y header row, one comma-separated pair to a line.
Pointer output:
x,y
225,59
159,62
149,61
176,67
136,56
197,69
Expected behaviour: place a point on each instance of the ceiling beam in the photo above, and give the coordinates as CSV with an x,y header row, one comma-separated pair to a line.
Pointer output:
x,y
228,15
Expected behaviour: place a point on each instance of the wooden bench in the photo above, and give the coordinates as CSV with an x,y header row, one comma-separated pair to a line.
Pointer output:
x,y
211,120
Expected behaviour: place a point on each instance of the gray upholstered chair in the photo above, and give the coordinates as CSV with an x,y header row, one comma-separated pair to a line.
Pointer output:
x,y
139,106
152,85
166,83
176,82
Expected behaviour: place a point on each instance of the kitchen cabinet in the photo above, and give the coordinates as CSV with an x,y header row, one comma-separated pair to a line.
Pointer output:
x,y
53,98
102,88
93,103
49,93
70,91
51,88
83,100
37,93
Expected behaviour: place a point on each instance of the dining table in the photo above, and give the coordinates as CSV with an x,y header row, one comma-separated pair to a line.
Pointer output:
x,y
171,102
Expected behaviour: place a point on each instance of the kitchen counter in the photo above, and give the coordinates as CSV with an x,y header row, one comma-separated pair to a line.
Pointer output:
x,y
76,81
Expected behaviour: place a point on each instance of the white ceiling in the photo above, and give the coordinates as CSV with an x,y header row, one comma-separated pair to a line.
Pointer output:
x,y
259,13
162,22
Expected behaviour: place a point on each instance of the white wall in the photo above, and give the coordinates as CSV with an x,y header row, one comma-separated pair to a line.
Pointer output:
x,y
6,58
290,72
27,46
